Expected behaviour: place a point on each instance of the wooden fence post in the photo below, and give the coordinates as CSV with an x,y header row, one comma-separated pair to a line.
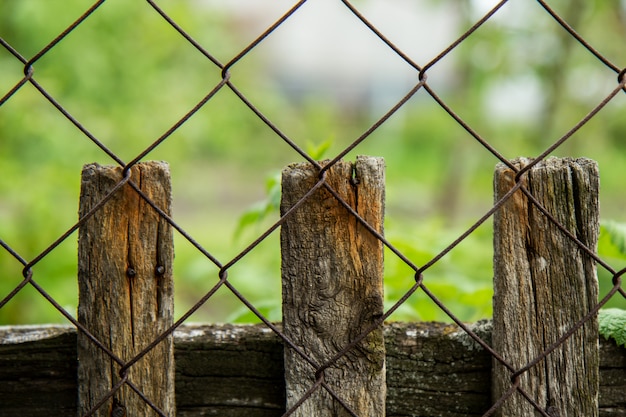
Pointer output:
x,y
332,287
125,290
543,285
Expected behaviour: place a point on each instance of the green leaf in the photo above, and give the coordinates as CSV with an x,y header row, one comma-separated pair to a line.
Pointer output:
x,y
256,213
273,190
252,216
613,325
317,151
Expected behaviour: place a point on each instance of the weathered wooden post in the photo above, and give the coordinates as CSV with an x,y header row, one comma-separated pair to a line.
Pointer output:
x,y
543,285
125,290
332,269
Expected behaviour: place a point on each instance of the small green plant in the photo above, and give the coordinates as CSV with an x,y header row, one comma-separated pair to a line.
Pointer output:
x,y
271,203
612,246
612,323
612,249
261,209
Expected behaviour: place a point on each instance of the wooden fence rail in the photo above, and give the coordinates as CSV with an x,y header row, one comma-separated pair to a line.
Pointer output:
x,y
433,369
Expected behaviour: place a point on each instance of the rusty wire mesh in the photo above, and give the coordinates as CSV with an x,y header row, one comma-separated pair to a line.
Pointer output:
x,y
421,70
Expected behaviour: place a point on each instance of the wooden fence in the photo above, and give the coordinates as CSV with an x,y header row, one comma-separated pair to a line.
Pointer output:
x,y
335,356
433,369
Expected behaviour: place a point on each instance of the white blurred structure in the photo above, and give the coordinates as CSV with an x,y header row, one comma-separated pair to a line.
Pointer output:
x,y
324,49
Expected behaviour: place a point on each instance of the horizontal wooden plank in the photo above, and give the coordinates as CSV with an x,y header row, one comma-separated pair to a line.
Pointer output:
x,y
433,369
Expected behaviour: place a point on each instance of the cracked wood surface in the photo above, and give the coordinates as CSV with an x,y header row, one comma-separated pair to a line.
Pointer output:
x,y
125,283
332,281
544,285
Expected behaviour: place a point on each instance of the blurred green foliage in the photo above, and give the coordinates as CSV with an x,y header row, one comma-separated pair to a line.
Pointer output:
x,y
127,76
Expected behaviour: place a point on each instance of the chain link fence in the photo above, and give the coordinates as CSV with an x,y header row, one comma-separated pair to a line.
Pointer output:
x,y
229,79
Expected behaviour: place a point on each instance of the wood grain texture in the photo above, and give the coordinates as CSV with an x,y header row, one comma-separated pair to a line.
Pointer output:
x,y
544,284
332,270
433,369
125,289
